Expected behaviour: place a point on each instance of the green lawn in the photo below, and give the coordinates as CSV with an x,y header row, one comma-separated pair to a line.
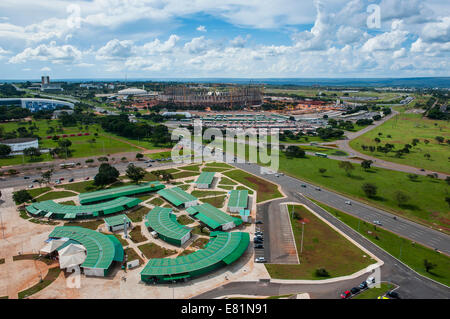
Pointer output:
x,y
323,247
136,235
69,203
35,192
184,220
265,190
151,250
411,254
92,224
157,202
184,174
194,168
215,164
132,255
215,169
374,293
199,194
227,181
215,201
403,129
55,195
138,215
80,187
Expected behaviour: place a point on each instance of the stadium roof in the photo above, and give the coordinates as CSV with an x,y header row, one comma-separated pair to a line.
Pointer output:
x,y
176,196
111,193
111,207
223,247
117,220
101,249
165,223
238,198
210,215
206,178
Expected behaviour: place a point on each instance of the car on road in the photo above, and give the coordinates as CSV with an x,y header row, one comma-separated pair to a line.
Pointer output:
x,y
71,180
151,161
57,181
355,290
61,179
259,246
393,295
318,189
277,175
30,186
26,177
35,181
303,185
346,294
377,222
149,165
260,260
348,202
258,222
422,170
87,178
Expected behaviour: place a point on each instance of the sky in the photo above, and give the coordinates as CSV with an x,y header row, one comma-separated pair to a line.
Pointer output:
x,y
224,38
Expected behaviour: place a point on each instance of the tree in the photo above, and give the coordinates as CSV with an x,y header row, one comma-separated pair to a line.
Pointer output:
x,y
428,265
106,175
366,164
32,152
21,197
413,177
377,140
447,179
322,272
347,167
139,156
295,151
447,199
370,189
47,176
426,141
427,156
322,170
401,198
5,150
439,139
135,173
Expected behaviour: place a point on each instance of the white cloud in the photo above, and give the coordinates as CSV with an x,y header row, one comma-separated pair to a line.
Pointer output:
x,y
197,45
201,28
115,50
65,54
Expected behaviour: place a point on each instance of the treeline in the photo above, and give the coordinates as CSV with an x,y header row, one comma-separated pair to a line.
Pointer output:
x,y
119,124
8,90
8,113
436,114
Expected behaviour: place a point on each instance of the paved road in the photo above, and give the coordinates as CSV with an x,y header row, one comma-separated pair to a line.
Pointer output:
x,y
412,285
403,227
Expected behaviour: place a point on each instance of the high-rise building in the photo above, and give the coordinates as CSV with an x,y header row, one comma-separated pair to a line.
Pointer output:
x,y
45,80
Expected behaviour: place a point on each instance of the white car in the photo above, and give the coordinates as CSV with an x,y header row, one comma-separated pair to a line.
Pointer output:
x,y
377,222
260,260
348,202
31,186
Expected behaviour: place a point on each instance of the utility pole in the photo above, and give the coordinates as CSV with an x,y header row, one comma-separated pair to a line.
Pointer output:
x,y
303,231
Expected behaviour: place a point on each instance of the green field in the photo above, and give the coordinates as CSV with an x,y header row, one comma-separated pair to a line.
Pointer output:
x,y
323,247
411,254
403,129
55,195
265,190
426,202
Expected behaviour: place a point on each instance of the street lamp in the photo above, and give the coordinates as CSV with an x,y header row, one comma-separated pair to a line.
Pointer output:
x,y
303,231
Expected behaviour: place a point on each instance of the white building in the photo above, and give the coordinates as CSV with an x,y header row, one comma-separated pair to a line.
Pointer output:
x,y
19,144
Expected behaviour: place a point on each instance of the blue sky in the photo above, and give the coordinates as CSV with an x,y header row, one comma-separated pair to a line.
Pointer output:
x,y
226,38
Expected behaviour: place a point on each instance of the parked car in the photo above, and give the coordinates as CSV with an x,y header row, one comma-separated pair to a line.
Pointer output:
x,y
382,297
354,290
149,165
346,294
377,222
71,180
260,260
26,177
30,186
393,295
57,181
61,179
258,222
87,178
370,281
152,161
277,175
259,246
363,285
260,233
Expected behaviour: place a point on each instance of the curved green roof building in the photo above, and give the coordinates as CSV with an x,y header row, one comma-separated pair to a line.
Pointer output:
x,y
161,220
223,249
102,250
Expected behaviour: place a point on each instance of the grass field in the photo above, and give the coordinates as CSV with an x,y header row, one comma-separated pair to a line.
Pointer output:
x,y
55,195
265,190
138,215
226,181
374,293
136,235
151,250
35,192
426,203
403,129
323,247
411,254
184,220
132,255
184,174
92,224
215,201
199,194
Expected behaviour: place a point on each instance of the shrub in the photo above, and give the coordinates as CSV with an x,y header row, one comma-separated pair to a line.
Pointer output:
x,y
322,272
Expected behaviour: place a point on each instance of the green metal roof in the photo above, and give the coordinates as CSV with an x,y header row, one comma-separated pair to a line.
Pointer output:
x,y
112,193
117,220
210,215
206,178
238,198
114,206
176,196
223,247
100,249
165,223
